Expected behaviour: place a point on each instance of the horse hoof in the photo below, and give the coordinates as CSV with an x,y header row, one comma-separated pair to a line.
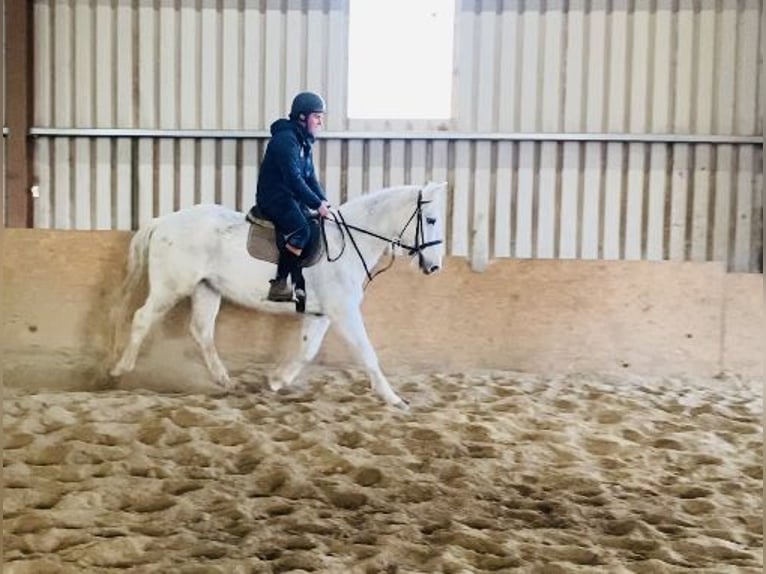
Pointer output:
x,y
402,405
276,385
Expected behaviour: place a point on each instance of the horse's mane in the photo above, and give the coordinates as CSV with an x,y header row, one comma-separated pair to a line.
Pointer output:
x,y
372,199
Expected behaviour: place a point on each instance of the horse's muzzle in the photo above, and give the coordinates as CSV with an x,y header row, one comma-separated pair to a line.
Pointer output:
x,y
431,269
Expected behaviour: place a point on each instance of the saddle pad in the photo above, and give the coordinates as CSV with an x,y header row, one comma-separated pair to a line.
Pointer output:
x,y
260,242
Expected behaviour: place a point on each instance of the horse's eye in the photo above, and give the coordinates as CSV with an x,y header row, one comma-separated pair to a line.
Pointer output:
x,y
431,220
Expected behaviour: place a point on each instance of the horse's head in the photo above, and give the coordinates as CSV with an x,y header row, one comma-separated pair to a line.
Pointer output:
x,y
428,240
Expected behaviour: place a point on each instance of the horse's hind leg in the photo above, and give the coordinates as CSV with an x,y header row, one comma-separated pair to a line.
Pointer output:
x,y
154,308
313,330
205,305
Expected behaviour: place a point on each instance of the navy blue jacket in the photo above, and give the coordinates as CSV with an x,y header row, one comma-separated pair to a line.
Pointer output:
x,y
287,170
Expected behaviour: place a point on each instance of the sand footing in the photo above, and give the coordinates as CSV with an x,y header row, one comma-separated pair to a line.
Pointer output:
x,y
489,472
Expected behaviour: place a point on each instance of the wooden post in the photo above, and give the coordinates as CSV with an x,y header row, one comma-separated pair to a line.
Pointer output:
x,y
18,60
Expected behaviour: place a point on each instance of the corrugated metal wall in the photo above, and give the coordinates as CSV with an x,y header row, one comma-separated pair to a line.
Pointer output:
x,y
555,66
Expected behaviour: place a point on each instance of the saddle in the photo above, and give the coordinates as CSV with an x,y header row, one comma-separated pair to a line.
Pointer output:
x,y
263,242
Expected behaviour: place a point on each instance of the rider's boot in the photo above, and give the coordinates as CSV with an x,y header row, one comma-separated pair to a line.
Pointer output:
x,y
279,290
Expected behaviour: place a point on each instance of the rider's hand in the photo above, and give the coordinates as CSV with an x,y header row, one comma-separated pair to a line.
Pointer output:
x,y
324,209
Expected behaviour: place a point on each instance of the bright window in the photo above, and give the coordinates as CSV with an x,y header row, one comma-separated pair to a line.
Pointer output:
x,y
400,59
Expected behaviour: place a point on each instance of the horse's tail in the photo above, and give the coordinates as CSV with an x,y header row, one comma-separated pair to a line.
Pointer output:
x,y
136,266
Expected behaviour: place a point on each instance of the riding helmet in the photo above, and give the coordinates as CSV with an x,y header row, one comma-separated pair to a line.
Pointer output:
x,y
306,103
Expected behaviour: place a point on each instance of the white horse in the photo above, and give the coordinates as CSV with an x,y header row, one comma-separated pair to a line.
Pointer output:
x,y
201,252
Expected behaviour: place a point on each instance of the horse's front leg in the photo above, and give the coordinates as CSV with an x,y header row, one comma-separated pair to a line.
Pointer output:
x,y
313,330
351,327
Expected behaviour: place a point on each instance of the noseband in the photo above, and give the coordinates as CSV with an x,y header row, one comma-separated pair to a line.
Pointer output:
x,y
420,242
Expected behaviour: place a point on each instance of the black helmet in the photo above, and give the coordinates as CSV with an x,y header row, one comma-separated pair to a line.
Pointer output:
x,y
306,103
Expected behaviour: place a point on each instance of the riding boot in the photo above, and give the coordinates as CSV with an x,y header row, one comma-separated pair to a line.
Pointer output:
x,y
279,290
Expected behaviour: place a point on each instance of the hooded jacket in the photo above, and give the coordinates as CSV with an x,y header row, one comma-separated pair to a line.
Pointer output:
x,y
287,170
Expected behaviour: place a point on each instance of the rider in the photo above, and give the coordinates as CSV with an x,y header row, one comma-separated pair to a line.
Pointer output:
x,y
287,185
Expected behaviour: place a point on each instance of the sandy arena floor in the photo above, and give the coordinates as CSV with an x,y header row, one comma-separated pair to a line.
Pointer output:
x,y
490,472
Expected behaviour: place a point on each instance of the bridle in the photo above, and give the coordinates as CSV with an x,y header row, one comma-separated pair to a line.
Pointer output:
x,y
395,242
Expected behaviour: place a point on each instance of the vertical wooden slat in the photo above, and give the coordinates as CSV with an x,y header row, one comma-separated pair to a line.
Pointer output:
x,y
486,64
591,205
209,68
228,169
375,157
168,66
747,67
618,67
684,66
125,110
43,66
145,199
509,54
333,171
524,200
439,173
481,207
575,77
396,162
147,58
723,196
639,68
186,173
81,192
104,91
461,199
189,65
661,100
252,88
316,42
294,50
418,162
726,69
530,67
123,183
188,109
635,202
63,108
231,66
43,116
705,56
703,162
168,107
250,165
274,95
124,67
43,217
597,65
679,190
355,169
439,161
551,31
744,209
465,61
546,202
570,192
83,106
503,199
166,172
655,233
335,75
207,169
209,99
613,201
148,116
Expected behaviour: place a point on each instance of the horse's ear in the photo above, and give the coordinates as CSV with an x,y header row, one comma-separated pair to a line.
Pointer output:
x,y
431,188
